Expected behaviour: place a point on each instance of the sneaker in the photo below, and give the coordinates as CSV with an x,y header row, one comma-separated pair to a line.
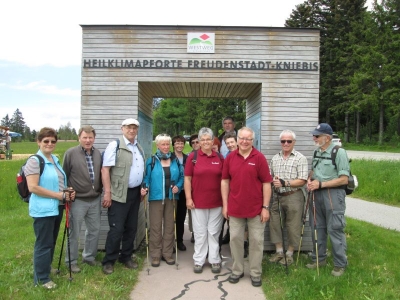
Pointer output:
x,y
130,264
198,269
313,265
75,268
255,281
235,278
155,262
337,271
216,268
108,269
92,263
170,261
289,260
276,257
49,285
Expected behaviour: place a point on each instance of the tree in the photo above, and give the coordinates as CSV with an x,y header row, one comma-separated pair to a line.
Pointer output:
x,y
6,121
17,122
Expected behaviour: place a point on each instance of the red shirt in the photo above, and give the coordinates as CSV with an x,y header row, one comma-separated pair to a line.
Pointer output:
x,y
206,179
246,177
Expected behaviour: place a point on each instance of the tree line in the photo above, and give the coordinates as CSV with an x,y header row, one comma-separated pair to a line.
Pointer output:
x,y
17,124
360,66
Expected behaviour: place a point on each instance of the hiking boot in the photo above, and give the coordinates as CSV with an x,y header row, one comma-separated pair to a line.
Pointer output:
x,y
235,278
255,281
181,246
130,264
75,268
49,285
170,261
108,269
216,268
289,259
155,262
313,265
198,269
276,257
91,263
337,271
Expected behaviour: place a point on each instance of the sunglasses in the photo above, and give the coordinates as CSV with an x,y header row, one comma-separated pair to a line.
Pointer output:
x,y
286,141
195,142
49,141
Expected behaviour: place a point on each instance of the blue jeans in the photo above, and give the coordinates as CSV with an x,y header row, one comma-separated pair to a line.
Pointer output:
x,y
46,232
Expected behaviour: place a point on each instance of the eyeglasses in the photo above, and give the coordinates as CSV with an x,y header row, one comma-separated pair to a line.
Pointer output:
x,y
194,142
316,136
244,139
205,140
49,141
286,141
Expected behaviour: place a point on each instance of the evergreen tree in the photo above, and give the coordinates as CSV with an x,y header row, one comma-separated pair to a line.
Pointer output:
x,y
17,122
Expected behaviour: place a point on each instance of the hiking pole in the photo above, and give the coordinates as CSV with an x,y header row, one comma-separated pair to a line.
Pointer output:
x,y
147,228
283,238
305,212
68,241
176,240
315,232
62,249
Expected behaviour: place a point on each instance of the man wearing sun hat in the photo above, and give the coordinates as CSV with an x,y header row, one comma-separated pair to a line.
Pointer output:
x,y
122,176
327,182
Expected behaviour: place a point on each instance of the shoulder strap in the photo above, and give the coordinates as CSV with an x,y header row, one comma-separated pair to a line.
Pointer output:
x,y
116,150
153,161
194,160
41,163
334,154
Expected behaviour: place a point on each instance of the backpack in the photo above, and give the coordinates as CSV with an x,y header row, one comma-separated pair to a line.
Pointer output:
x,y
353,183
22,185
153,161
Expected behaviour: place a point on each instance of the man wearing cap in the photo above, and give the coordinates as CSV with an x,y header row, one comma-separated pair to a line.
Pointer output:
x,y
327,184
122,175
289,169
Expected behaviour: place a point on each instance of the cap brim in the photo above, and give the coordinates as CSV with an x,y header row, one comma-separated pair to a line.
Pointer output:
x,y
315,132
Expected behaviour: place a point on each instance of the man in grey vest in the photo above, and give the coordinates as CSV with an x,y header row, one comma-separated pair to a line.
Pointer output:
x,y
122,176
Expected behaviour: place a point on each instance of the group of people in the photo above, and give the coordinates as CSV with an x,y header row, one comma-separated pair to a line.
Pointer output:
x,y
223,178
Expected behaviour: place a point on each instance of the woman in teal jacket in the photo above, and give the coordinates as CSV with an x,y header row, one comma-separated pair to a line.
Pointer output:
x,y
163,181
47,195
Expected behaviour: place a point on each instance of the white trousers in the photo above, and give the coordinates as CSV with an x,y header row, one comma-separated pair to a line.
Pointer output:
x,y
207,224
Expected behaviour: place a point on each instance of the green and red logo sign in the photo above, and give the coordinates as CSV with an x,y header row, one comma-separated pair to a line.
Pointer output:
x,y
200,42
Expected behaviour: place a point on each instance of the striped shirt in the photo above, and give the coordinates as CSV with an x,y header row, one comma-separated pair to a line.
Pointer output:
x,y
293,167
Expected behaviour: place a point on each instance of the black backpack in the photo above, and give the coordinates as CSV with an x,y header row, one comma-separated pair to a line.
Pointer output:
x,y
351,185
22,185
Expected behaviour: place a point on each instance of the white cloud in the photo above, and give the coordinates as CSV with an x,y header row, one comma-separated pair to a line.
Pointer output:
x,y
39,86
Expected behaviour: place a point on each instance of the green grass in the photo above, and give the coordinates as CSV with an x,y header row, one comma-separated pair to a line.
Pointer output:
x,y
372,272
378,180
32,147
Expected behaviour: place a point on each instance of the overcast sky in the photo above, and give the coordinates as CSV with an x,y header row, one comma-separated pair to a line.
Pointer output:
x,y
41,44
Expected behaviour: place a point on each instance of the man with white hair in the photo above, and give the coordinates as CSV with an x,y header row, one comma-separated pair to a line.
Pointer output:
x,y
122,176
289,169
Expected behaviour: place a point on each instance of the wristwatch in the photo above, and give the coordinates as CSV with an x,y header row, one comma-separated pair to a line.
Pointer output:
x,y
266,207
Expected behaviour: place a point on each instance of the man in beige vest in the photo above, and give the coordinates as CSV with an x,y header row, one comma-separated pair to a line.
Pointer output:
x,y
122,176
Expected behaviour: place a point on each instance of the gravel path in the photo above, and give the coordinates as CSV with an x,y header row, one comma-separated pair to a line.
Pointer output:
x,y
375,213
